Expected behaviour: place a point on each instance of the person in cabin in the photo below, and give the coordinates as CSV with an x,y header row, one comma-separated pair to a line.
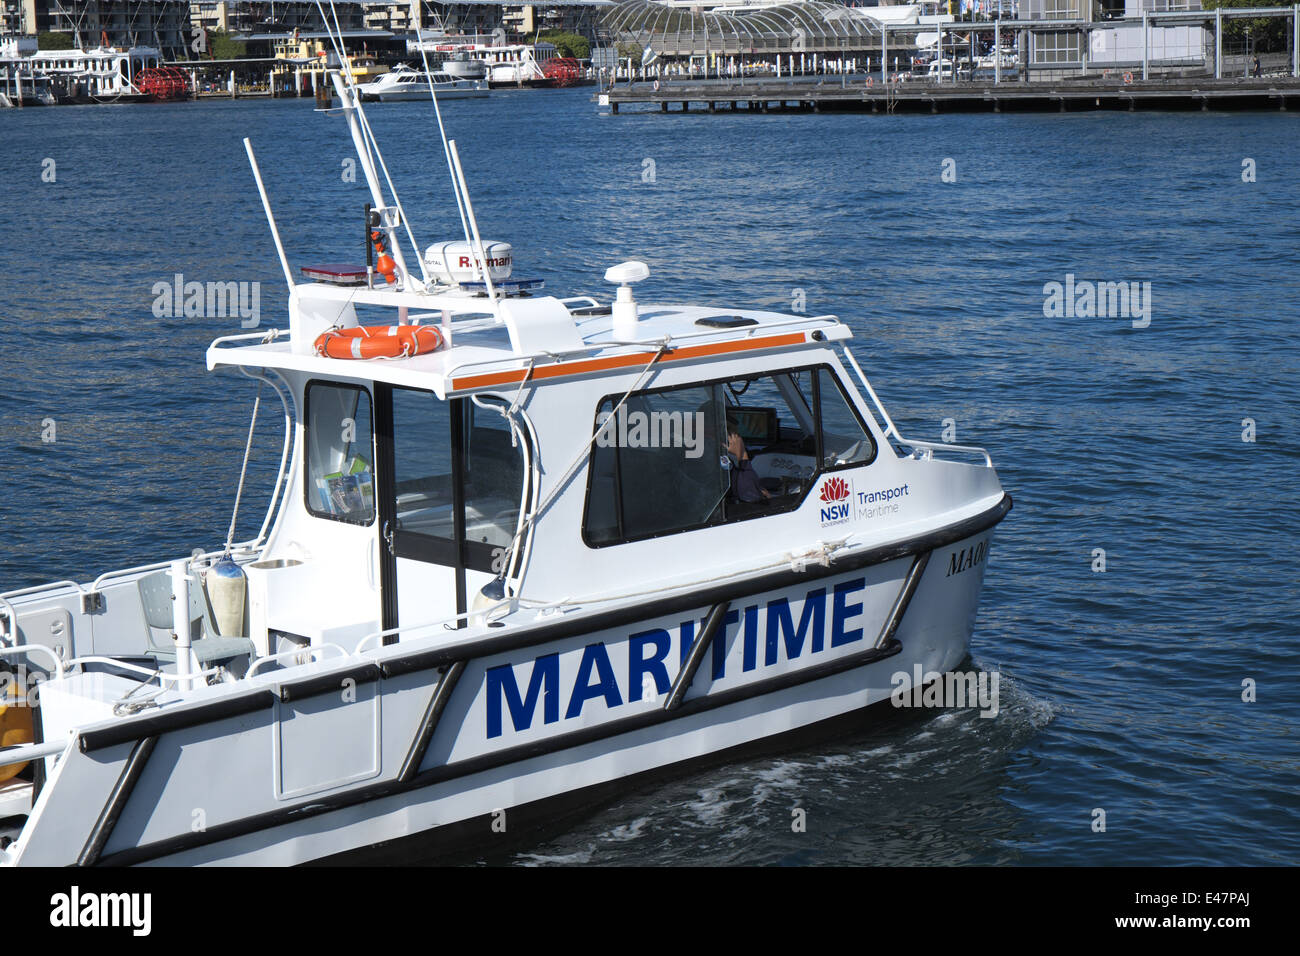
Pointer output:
x,y
745,483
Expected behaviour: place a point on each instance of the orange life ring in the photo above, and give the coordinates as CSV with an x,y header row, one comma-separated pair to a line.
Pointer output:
x,y
870,81
1128,78
378,341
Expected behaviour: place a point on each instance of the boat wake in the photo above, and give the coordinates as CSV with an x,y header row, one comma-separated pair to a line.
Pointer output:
x,y
911,787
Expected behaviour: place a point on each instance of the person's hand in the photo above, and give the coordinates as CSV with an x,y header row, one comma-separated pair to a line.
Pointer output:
x,y
736,445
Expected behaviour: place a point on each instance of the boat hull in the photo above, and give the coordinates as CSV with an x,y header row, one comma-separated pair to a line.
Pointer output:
x,y
400,96
439,738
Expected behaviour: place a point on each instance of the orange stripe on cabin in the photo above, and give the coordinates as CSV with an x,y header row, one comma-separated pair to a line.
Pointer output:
x,y
582,367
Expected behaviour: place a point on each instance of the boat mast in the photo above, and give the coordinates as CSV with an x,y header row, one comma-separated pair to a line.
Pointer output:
x,y
363,140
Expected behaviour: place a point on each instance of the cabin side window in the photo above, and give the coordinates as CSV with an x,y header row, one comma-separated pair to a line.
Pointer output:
x,y
671,460
429,437
340,453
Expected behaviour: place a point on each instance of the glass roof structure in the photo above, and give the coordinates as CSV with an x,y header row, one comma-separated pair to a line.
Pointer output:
x,y
801,27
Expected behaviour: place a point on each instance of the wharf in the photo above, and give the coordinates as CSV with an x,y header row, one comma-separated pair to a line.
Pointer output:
x,y
862,94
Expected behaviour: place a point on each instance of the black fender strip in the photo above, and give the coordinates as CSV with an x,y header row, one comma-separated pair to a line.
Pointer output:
x,y
429,723
176,719
465,768
154,724
136,761
327,683
687,674
914,574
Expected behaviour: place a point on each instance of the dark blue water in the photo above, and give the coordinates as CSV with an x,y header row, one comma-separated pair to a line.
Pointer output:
x,y
1121,690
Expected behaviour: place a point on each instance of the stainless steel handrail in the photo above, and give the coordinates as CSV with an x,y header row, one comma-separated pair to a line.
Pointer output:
x,y
271,658
750,332
150,673
892,429
23,753
24,648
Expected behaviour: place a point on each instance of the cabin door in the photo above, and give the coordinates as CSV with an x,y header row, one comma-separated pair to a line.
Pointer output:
x,y
450,485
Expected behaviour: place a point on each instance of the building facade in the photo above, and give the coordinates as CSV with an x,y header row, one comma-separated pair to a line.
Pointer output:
x,y
1168,47
163,24
1089,43
252,17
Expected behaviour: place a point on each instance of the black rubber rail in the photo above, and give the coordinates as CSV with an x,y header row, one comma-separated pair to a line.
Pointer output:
x,y
174,719
117,800
904,598
687,674
432,714
326,683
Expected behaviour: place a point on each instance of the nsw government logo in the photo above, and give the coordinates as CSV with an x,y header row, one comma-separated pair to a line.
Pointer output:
x,y
835,509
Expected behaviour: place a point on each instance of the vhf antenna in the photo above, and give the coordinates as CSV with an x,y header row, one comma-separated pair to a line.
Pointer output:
x,y
363,137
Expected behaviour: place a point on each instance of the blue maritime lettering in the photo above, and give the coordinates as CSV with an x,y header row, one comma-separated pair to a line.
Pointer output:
x,y
768,633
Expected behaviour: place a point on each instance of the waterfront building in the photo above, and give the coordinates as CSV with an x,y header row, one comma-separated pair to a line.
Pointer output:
x,y
398,17
1175,46
246,18
1086,43
784,39
124,24
11,18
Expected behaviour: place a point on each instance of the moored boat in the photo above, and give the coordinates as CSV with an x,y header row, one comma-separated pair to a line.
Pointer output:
x,y
405,83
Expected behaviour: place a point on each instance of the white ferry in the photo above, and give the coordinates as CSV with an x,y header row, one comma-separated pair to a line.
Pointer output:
x,y
404,83
101,74
506,64
530,549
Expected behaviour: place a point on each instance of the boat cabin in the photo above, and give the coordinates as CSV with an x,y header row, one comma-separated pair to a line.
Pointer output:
x,y
548,447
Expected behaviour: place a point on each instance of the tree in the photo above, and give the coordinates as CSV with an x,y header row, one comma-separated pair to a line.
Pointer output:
x,y
1270,34
225,47
54,41
566,44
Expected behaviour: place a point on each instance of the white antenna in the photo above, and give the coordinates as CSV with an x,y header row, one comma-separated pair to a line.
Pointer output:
x,y
266,204
364,138
469,208
455,183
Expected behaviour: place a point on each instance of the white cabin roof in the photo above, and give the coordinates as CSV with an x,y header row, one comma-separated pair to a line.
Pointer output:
x,y
502,344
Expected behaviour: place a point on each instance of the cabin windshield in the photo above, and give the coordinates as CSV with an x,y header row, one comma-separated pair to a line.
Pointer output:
x,y
674,459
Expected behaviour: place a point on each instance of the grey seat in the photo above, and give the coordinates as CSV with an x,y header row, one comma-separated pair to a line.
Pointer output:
x,y
208,646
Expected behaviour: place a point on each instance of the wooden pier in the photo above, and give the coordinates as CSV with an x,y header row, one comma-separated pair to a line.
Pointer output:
x,y
861,94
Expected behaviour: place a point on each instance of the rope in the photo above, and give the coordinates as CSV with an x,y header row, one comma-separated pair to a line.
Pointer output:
x,y
823,553
243,471
533,516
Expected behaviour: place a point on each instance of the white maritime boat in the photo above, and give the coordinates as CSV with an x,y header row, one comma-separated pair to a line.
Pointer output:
x,y
534,548
404,83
